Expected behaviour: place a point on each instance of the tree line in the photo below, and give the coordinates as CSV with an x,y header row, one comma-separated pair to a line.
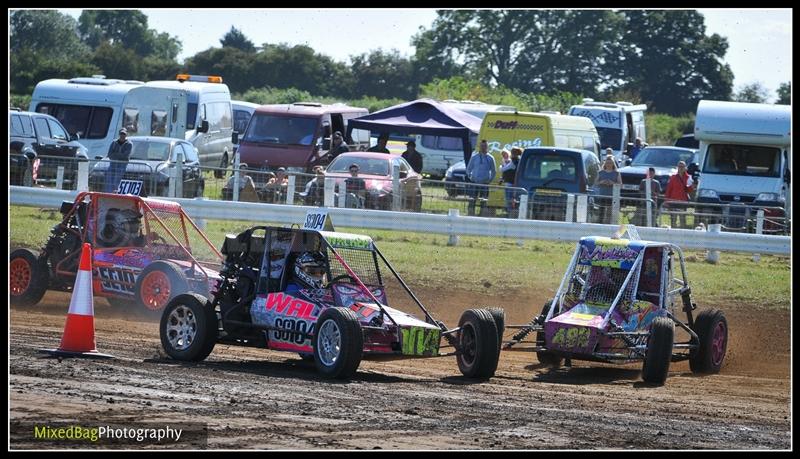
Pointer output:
x,y
539,59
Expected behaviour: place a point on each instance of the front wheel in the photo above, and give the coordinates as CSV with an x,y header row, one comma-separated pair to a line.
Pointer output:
x,y
712,329
28,277
338,343
478,346
659,351
188,328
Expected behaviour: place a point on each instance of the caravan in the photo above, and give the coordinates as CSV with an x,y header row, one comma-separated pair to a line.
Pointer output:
x,y
439,153
618,124
94,109
745,153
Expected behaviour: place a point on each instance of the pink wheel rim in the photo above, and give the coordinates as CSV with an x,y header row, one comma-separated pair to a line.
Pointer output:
x,y
718,343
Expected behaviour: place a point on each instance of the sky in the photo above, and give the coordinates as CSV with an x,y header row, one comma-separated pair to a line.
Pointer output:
x,y
760,41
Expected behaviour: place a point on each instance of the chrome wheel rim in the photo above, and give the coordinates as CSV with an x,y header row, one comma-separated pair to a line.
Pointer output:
x,y
329,343
181,328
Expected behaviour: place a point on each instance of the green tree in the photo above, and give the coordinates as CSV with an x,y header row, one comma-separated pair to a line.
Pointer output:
x,y
785,93
232,64
530,50
384,74
670,61
128,29
44,44
234,38
753,92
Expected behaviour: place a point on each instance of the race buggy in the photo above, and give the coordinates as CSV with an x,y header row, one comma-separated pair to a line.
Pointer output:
x,y
320,294
145,251
617,303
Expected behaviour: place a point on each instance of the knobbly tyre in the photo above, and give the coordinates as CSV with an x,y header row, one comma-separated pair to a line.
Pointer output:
x,y
617,303
145,251
320,294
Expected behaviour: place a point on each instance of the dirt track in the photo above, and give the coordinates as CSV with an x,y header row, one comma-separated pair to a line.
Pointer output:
x,y
253,398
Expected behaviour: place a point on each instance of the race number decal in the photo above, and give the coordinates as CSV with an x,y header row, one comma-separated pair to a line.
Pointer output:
x,y
130,187
420,341
318,219
571,337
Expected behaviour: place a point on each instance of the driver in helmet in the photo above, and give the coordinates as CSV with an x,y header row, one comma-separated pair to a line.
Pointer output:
x,y
121,228
309,271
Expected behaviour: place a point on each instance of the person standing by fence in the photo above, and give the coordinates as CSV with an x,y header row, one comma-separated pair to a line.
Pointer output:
x,y
508,170
678,189
481,172
606,179
119,152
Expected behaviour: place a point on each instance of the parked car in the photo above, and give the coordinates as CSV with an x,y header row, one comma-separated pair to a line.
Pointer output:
x,y
663,159
549,174
151,161
44,144
376,170
455,179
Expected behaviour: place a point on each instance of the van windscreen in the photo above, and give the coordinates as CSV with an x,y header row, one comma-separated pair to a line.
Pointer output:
x,y
610,137
284,130
743,160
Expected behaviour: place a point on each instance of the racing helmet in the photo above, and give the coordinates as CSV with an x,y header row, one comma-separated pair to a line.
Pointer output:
x,y
309,269
120,227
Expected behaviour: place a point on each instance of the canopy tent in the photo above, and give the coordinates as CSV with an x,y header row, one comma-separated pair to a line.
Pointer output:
x,y
421,116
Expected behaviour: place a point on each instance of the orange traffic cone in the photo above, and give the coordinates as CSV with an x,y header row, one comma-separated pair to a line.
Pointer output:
x,y
78,339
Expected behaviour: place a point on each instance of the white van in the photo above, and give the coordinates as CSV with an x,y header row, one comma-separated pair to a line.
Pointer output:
x,y
242,112
209,117
745,153
439,153
618,124
94,109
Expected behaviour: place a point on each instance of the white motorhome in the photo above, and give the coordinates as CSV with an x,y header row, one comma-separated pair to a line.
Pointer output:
x,y
95,108
745,153
439,153
209,118
618,124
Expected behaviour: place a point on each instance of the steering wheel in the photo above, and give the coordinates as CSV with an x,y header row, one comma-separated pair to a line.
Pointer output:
x,y
153,237
595,292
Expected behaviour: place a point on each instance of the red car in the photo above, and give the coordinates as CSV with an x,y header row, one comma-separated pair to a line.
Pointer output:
x,y
145,252
376,171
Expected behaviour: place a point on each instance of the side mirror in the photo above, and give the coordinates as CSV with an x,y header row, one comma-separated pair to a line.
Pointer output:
x,y
75,136
203,126
326,143
235,138
98,157
627,161
403,174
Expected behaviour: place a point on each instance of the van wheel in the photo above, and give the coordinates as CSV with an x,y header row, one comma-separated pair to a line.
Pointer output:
x,y
223,164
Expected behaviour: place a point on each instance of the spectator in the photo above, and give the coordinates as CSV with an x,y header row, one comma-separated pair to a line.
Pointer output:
x,y
508,169
481,170
119,152
315,188
413,157
655,191
678,189
381,146
338,146
355,189
637,147
275,188
606,179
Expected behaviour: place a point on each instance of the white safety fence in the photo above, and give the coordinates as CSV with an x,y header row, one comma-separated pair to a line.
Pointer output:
x,y
452,224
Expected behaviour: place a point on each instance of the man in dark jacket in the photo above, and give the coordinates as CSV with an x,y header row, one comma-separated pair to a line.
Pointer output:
x,y
413,157
118,153
381,145
338,146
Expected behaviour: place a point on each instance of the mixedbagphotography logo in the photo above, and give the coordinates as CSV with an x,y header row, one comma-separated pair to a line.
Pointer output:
x,y
33,435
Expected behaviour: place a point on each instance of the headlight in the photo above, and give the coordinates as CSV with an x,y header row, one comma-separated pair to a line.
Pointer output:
x,y
769,197
707,193
449,172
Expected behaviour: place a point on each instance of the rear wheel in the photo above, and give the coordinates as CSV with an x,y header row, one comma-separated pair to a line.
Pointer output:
x,y
545,357
188,328
28,277
478,345
499,316
159,283
712,329
659,351
338,343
